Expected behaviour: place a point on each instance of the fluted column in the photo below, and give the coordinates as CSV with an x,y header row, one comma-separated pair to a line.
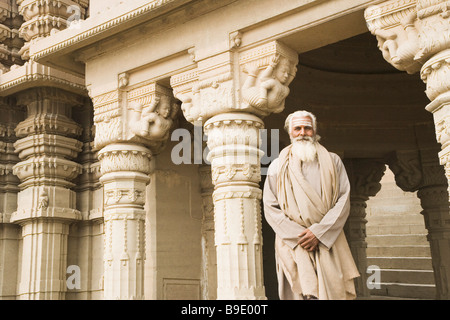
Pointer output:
x,y
131,126
46,203
414,36
229,94
365,176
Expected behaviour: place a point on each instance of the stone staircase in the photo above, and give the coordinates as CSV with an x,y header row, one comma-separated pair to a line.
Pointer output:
x,y
397,244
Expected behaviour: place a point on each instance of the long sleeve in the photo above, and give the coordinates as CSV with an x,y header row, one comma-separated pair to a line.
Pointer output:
x,y
286,229
334,220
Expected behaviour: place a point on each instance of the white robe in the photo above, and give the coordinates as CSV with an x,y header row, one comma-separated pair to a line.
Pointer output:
x,y
287,230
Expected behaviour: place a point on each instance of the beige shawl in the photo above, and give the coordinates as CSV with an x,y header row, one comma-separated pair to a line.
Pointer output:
x,y
325,273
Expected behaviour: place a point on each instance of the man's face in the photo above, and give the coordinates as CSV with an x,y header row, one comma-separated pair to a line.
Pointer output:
x,y
301,127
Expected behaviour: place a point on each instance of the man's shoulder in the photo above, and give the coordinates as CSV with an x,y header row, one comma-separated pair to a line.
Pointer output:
x,y
273,167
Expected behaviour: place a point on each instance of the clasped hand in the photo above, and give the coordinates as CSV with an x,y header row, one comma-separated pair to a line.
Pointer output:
x,y
308,240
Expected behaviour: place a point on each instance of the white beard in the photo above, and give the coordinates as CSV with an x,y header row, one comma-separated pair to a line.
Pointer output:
x,y
304,148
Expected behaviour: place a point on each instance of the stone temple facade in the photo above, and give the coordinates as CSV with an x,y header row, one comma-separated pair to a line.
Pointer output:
x,y
135,135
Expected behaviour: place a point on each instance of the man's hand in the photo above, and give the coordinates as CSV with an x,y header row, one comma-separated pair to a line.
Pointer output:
x,y
308,240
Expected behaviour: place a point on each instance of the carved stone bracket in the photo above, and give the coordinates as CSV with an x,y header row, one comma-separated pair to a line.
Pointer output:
x,y
256,82
146,117
409,32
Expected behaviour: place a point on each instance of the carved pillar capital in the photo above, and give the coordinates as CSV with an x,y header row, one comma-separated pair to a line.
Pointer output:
x,y
410,32
141,115
254,80
416,169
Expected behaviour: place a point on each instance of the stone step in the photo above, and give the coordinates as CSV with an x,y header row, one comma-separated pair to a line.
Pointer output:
x,y
395,205
399,251
398,239
408,291
407,276
409,263
394,220
401,229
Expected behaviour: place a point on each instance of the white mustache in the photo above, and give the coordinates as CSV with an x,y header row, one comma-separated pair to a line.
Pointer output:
x,y
303,138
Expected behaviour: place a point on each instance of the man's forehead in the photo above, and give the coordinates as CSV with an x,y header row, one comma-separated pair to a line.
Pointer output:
x,y
301,121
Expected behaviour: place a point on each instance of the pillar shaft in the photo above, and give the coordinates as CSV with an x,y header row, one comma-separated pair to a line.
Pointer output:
x,y
209,259
233,140
364,176
125,169
46,204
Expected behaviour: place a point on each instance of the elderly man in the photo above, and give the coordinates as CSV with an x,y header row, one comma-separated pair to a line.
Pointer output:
x,y
306,202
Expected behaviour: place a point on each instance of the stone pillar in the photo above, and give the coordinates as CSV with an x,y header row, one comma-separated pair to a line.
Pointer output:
x,y
414,37
9,232
10,42
86,236
419,170
46,204
233,139
229,94
434,201
209,260
44,17
131,125
365,176
125,169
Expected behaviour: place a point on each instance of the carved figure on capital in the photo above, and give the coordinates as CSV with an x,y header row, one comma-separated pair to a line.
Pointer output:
x,y
397,35
407,168
268,71
153,121
268,89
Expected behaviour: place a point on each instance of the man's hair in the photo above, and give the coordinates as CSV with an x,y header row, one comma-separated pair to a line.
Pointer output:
x,y
300,113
